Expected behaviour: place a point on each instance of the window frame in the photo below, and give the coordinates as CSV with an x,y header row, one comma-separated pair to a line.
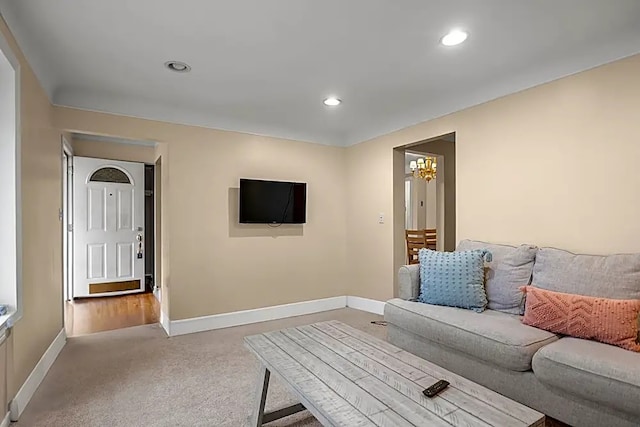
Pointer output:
x,y
16,314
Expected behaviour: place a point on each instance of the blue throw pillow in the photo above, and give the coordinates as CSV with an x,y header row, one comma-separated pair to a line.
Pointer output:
x,y
454,279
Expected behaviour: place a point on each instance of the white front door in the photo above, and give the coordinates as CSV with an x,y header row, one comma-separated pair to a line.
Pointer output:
x,y
108,221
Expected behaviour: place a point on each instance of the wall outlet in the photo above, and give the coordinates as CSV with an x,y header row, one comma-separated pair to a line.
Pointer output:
x,y
380,218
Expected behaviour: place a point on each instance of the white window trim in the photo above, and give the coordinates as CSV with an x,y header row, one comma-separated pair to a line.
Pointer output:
x,y
11,318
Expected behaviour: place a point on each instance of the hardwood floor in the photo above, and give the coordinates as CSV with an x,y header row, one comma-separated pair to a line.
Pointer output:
x,y
89,315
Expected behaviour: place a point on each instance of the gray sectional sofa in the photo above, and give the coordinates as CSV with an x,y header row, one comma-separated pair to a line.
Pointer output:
x,y
579,382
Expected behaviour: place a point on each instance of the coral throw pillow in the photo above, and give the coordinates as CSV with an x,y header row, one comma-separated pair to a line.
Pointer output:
x,y
610,321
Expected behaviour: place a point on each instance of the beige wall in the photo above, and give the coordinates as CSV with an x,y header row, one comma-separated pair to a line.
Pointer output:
x,y
555,165
369,186
114,151
215,264
41,229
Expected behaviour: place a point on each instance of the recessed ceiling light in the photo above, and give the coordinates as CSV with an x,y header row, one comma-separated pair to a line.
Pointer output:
x,y
177,66
332,101
454,37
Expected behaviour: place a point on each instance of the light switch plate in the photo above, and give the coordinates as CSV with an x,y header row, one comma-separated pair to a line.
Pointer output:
x,y
380,218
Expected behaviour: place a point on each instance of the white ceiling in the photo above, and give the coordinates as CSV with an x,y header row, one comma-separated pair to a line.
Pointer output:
x,y
264,67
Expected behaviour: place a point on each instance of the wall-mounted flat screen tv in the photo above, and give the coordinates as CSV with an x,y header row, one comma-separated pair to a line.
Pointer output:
x,y
272,202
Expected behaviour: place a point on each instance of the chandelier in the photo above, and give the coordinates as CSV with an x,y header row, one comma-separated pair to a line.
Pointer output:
x,y
424,168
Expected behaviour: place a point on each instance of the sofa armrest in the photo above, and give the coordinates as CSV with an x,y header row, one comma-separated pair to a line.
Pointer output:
x,y
409,282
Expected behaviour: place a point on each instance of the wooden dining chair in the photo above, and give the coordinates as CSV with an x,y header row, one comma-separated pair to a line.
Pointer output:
x,y
430,238
418,239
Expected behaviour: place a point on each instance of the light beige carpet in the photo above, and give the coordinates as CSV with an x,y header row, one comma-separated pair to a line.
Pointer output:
x,y
139,377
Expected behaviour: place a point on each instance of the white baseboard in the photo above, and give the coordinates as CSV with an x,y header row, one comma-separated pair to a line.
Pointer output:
x,y
6,421
24,395
366,304
165,322
226,320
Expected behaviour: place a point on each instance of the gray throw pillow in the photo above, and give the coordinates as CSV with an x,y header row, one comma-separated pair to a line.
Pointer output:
x,y
614,276
510,268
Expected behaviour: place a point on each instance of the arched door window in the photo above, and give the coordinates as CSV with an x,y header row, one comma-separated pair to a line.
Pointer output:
x,y
110,174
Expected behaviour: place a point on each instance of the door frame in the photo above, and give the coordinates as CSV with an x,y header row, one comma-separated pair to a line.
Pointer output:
x,y
66,219
157,229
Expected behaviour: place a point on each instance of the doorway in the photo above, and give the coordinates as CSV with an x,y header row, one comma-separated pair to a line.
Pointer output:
x,y
424,201
109,214
427,202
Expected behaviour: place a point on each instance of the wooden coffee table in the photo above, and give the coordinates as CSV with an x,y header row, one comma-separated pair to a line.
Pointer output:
x,y
346,377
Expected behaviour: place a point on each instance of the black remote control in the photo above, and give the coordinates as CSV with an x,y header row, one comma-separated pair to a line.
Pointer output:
x,y
436,388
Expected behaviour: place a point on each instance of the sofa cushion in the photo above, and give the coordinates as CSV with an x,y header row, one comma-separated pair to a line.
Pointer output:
x,y
491,336
454,279
510,269
611,321
612,276
597,372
